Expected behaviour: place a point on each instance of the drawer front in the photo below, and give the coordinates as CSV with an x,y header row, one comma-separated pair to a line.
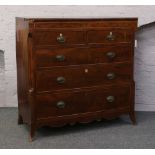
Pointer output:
x,y
81,76
85,100
59,37
76,56
109,36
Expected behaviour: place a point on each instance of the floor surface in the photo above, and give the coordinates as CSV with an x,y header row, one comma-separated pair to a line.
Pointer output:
x,y
119,133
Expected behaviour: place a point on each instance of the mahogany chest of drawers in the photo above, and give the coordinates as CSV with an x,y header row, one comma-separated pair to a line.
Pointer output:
x,y
74,70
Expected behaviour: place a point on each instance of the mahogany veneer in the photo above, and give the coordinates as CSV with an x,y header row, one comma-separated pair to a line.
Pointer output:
x,y
74,70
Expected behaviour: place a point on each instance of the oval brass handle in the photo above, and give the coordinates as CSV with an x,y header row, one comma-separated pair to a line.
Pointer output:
x,y
111,76
60,57
61,38
110,99
111,36
60,80
60,104
111,55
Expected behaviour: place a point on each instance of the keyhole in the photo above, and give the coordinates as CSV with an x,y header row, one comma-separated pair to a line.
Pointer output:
x,y
111,33
86,70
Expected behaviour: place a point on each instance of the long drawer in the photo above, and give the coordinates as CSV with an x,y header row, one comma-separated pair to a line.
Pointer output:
x,y
83,75
48,57
85,100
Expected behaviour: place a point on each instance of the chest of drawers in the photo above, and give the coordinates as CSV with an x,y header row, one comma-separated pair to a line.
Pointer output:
x,y
74,70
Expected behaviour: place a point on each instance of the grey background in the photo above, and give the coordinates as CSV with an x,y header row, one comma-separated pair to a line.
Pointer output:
x,y
144,53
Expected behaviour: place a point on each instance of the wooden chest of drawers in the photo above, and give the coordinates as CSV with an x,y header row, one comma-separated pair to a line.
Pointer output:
x,y
74,70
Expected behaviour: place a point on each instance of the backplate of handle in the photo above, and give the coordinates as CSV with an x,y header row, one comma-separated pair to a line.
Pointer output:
x,y
110,99
60,58
111,55
111,76
60,80
60,104
111,36
61,38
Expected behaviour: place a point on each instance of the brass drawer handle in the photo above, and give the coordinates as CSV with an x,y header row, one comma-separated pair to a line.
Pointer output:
x,y
111,76
60,104
110,99
111,55
111,36
60,58
61,80
61,38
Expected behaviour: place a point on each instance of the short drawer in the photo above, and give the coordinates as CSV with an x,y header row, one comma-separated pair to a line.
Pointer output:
x,y
81,76
109,35
83,101
76,56
59,37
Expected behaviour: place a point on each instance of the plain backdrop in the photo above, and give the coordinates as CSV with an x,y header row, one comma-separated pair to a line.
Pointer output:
x,y
144,53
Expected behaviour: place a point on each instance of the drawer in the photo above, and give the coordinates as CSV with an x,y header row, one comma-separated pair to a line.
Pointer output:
x,y
81,76
85,100
75,56
117,35
58,37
